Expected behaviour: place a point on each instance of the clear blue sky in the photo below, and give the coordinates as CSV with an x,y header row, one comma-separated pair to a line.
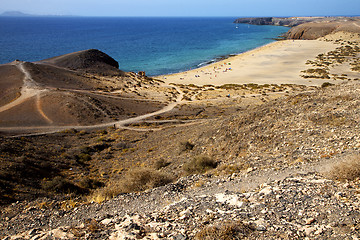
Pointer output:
x,y
232,8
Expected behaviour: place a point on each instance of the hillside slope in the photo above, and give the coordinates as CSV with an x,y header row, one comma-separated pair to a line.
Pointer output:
x,y
71,90
265,180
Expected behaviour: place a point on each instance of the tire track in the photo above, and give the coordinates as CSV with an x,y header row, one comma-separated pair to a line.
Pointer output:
x,y
39,108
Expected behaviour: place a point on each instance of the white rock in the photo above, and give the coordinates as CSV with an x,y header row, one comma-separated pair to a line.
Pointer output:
x,y
60,234
266,191
309,221
308,230
229,199
250,169
106,221
261,225
320,181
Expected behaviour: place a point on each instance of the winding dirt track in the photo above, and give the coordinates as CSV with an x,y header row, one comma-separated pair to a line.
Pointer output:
x,y
31,89
39,108
28,90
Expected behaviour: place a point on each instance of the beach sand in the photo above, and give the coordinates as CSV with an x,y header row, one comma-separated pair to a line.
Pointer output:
x,y
279,62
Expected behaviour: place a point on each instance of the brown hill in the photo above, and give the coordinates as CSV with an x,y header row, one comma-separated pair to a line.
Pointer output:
x,y
10,83
71,90
315,30
91,60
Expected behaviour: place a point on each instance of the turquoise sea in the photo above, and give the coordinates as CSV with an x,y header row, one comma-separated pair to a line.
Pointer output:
x,y
155,45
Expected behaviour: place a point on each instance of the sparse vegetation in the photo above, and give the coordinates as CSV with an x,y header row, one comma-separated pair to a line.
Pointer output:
x,y
135,180
326,84
60,185
349,169
199,164
89,183
228,231
316,73
231,86
232,168
161,163
83,158
186,146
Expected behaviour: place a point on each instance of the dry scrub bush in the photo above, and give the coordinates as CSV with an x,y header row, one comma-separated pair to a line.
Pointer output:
x,y
161,163
186,146
232,168
136,180
326,84
228,231
61,185
349,169
199,164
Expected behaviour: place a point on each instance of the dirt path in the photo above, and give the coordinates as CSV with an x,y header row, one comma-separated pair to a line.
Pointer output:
x,y
118,124
356,25
28,90
32,89
39,108
167,108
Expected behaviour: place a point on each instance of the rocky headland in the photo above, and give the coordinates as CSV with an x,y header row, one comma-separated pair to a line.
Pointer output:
x,y
308,28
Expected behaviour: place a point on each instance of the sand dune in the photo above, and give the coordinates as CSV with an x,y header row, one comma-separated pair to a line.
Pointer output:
x,y
276,63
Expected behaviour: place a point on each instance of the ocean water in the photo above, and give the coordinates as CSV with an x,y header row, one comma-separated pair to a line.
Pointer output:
x,y
155,45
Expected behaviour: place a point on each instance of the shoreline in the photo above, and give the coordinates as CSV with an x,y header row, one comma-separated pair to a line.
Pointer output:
x,y
216,60
279,62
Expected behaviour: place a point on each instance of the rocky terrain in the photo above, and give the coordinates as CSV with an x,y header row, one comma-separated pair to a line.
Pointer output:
x,y
275,178
215,162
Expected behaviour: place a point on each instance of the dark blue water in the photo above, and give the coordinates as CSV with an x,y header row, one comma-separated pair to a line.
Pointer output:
x,y
155,45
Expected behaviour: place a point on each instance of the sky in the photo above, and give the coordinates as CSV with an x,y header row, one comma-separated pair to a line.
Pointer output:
x,y
233,8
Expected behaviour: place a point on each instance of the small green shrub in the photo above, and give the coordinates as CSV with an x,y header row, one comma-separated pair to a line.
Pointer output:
x,y
199,164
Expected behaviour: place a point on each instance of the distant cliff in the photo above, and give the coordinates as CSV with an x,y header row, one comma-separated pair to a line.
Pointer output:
x,y
15,14
308,28
276,21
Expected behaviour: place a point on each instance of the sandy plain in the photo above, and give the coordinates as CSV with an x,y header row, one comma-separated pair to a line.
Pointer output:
x,y
279,62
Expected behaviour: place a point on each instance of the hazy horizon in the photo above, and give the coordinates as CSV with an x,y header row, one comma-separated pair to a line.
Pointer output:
x,y
26,14
183,8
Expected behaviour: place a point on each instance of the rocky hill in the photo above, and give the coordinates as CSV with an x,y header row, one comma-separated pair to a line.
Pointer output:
x,y
91,59
277,21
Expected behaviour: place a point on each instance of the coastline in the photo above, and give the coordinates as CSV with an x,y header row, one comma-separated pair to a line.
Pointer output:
x,y
279,62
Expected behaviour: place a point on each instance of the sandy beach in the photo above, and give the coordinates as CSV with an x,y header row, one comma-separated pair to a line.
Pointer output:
x,y
275,63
